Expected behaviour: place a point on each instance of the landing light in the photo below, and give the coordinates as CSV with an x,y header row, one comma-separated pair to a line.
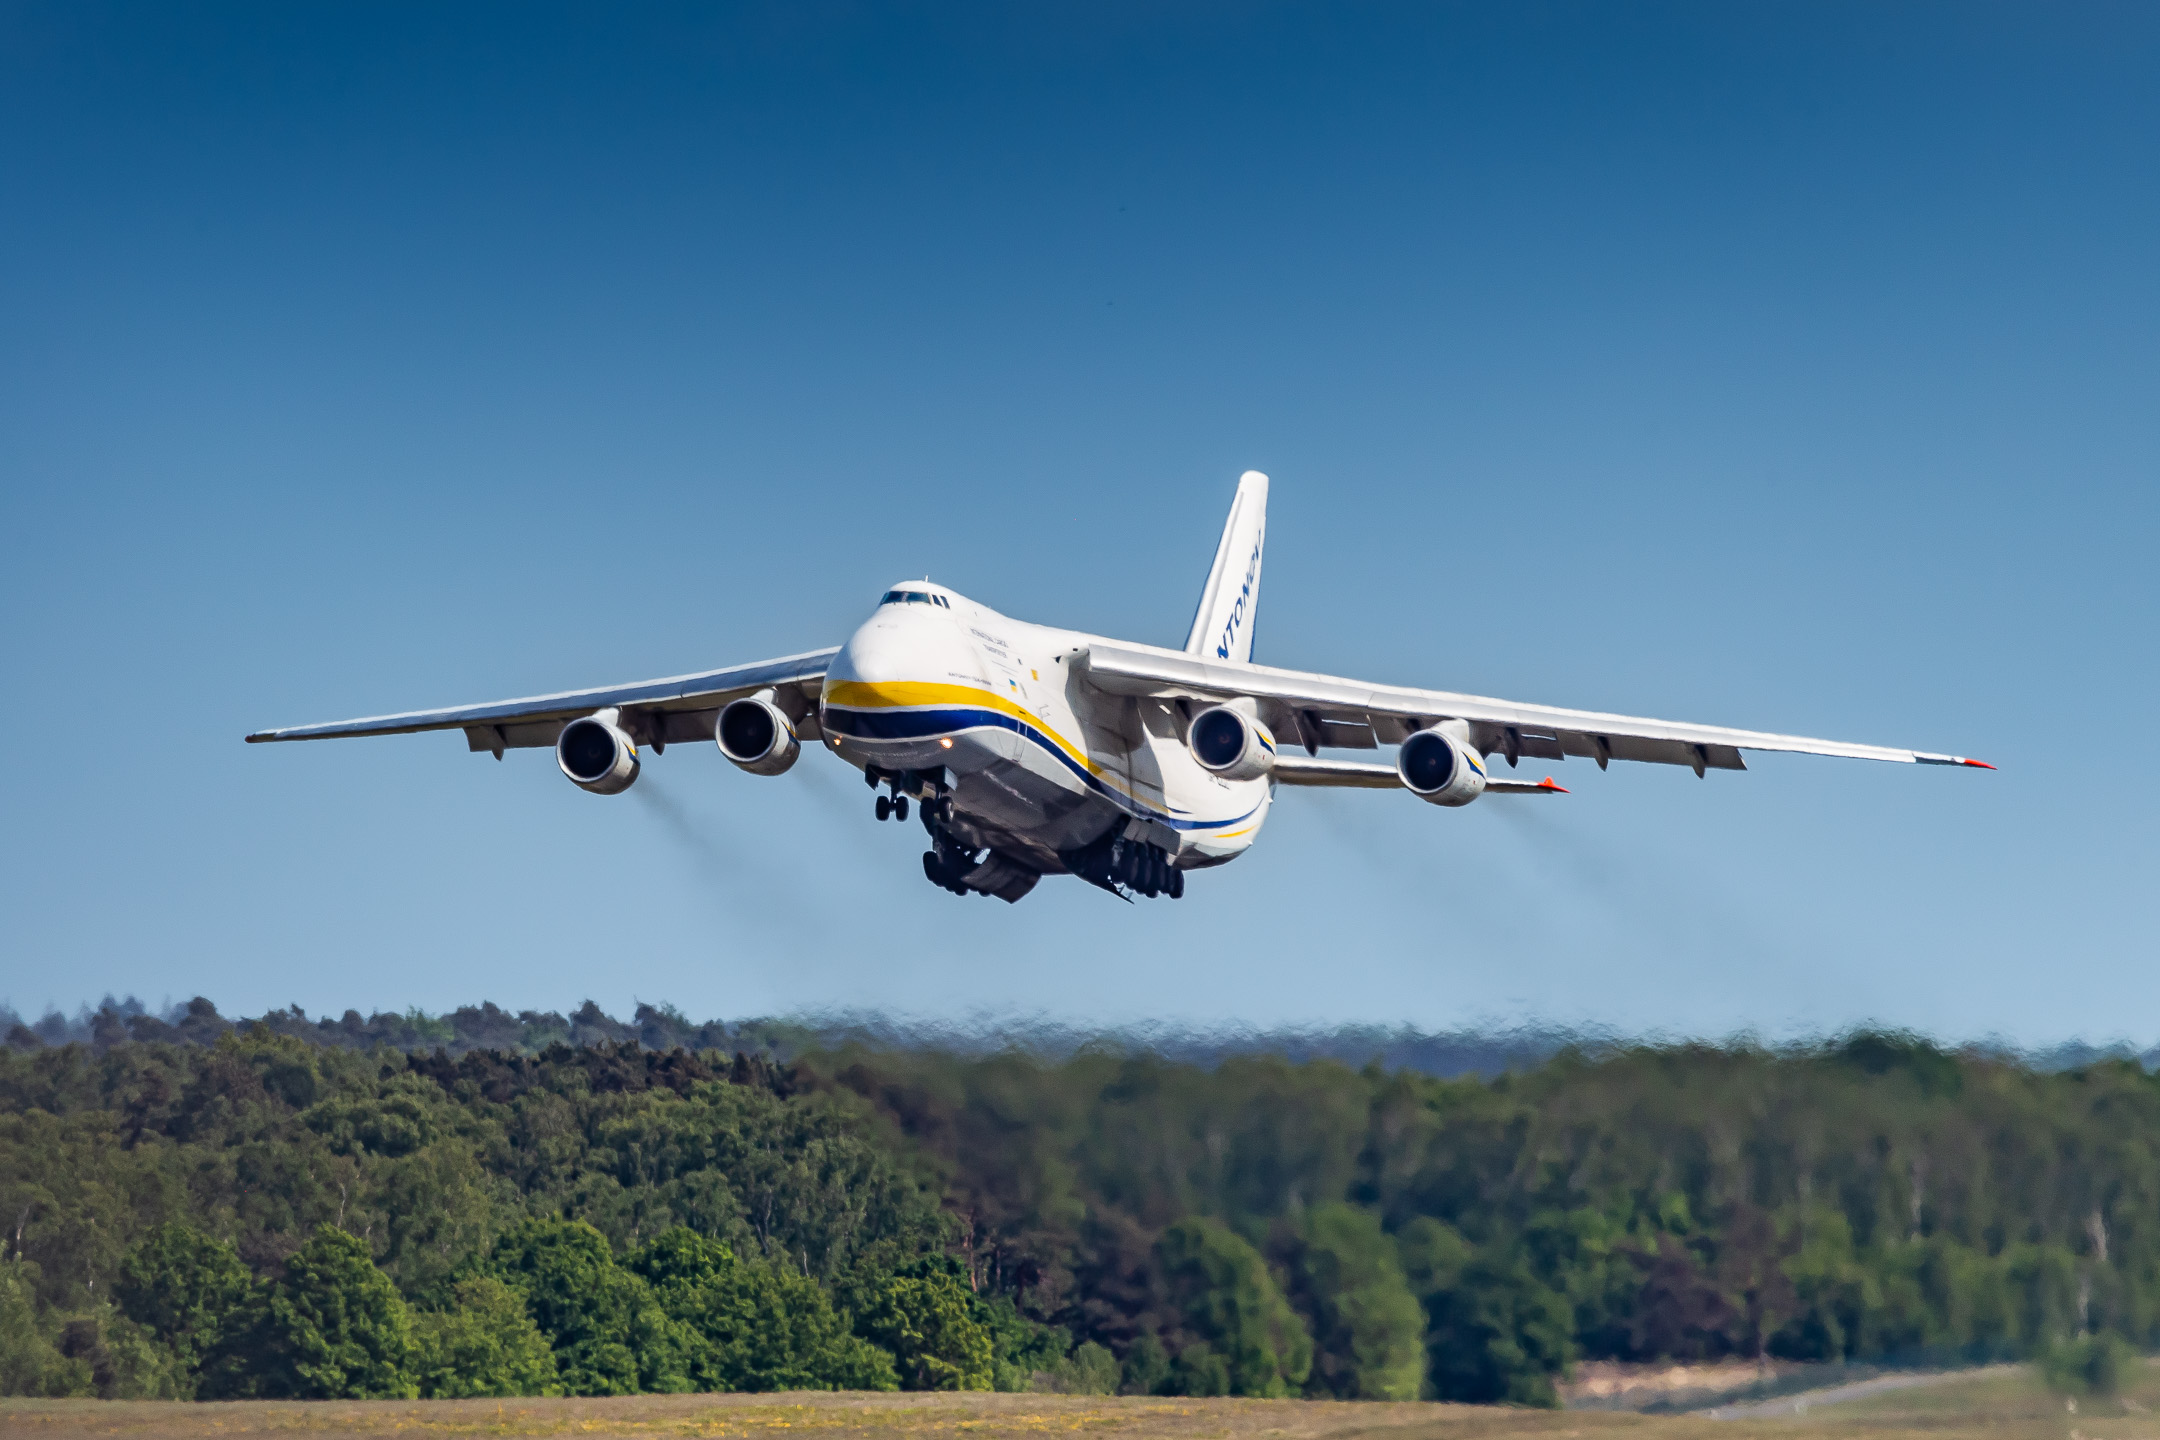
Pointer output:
x,y
944,742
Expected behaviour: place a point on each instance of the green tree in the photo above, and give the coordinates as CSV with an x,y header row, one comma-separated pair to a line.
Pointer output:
x,y
927,1325
1090,1370
186,1289
1433,1255
29,1365
1200,1372
334,1328
1498,1336
1220,1288
485,1344
2043,1284
1368,1329
1146,1368
756,1326
2089,1365
1836,1293
609,1334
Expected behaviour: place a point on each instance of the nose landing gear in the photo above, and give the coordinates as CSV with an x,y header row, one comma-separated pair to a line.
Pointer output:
x,y
895,805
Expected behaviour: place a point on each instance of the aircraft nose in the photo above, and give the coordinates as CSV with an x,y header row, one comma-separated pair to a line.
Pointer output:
x,y
894,646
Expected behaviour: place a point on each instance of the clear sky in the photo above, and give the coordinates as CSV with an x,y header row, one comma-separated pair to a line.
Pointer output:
x,y
1791,366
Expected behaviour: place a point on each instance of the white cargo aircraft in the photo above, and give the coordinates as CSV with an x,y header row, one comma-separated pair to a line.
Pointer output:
x,y
1031,751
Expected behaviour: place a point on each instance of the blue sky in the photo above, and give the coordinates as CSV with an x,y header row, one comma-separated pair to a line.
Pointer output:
x,y
1787,366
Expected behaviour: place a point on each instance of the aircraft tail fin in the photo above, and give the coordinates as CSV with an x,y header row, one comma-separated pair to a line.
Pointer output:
x,y
1222,627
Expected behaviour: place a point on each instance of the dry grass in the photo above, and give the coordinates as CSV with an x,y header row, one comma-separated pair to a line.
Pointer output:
x,y
2012,1406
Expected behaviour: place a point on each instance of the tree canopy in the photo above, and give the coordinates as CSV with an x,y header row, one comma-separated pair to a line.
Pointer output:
x,y
259,1211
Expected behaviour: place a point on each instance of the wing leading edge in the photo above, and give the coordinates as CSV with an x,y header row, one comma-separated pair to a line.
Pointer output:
x,y
1316,710
680,707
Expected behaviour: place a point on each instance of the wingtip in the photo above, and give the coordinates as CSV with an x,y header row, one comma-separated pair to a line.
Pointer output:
x,y
1547,784
1977,764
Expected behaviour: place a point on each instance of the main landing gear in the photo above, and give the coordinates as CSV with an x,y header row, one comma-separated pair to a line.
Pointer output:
x,y
1149,870
1128,867
947,861
936,805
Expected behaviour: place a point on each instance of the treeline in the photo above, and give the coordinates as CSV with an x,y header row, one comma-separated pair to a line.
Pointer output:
x,y
271,1215
661,1027
1485,1051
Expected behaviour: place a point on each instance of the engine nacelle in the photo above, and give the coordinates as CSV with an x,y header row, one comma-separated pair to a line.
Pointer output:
x,y
757,735
1231,744
1436,766
597,754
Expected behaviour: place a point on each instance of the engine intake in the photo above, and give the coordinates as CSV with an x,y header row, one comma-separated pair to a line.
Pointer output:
x,y
1231,744
1439,768
597,755
757,735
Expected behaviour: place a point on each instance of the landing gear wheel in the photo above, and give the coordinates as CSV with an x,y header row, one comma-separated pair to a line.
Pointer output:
x,y
945,871
884,807
899,807
1177,884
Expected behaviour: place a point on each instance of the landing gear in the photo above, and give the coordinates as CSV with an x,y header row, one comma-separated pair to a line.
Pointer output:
x,y
895,805
943,867
1127,867
948,859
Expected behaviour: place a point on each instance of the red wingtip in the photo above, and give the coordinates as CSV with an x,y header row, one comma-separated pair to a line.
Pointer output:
x,y
1546,784
1979,764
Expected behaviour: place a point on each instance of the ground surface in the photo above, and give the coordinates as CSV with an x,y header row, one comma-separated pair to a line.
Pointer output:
x,y
2000,1402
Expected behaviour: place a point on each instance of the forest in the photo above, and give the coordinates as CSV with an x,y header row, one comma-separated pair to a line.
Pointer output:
x,y
495,1205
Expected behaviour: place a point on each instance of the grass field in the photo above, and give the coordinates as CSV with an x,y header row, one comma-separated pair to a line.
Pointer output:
x,y
1998,1403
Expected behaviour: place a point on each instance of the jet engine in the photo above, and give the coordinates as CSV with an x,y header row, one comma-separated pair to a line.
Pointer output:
x,y
597,755
1229,743
1436,766
757,735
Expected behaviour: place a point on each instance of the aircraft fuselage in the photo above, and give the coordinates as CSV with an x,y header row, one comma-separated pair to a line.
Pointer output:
x,y
1038,765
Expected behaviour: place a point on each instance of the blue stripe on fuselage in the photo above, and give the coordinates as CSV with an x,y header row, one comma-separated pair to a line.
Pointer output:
x,y
935,723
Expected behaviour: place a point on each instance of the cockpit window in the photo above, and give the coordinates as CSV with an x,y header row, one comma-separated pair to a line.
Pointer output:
x,y
912,597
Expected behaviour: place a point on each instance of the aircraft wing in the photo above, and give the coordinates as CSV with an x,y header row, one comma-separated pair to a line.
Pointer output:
x,y
681,707
1316,710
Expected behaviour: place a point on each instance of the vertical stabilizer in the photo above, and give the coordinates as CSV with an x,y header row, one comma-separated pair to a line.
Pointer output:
x,y
1222,627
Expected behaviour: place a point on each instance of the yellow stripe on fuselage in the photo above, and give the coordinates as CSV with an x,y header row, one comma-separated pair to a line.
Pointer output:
x,y
924,694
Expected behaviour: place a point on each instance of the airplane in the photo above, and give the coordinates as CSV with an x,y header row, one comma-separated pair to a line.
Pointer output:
x,y
1032,751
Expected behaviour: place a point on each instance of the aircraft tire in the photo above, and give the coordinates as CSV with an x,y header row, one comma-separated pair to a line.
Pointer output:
x,y
884,807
